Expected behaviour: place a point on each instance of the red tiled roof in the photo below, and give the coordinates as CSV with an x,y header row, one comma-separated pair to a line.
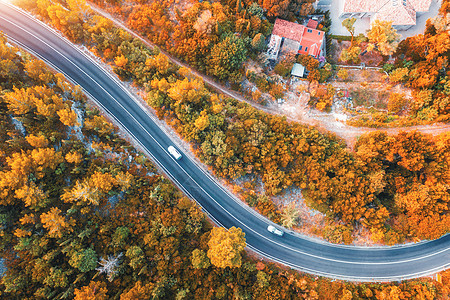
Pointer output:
x,y
312,24
310,47
289,30
309,38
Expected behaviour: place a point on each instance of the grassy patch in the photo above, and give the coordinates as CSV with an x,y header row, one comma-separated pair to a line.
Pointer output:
x,y
369,98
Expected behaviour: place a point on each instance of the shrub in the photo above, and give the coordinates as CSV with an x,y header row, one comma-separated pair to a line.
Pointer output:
x,y
284,67
399,75
397,103
309,62
343,74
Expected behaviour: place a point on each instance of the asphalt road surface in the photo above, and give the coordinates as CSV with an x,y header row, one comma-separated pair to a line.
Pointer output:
x,y
306,254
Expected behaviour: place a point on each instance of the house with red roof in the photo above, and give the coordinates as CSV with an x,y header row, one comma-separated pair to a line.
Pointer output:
x,y
293,37
402,13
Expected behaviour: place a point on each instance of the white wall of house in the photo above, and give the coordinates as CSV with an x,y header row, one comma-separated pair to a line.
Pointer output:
x,y
274,46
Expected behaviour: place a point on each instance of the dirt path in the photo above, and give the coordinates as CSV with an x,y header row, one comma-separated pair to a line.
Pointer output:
x,y
300,114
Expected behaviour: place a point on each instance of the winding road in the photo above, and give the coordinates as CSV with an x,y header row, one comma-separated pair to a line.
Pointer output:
x,y
302,253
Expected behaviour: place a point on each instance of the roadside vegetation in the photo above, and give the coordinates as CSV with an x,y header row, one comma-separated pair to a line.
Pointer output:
x,y
83,215
393,186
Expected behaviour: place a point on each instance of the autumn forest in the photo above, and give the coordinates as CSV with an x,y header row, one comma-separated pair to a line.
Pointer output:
x,y
86,215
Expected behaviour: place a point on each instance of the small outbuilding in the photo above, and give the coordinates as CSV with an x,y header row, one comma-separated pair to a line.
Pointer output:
x,y
298,70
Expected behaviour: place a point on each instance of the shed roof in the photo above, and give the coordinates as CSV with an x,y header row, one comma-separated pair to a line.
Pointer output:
x,y
298,70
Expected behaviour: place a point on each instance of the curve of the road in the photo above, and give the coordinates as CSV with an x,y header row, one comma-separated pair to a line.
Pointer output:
x,y
302,253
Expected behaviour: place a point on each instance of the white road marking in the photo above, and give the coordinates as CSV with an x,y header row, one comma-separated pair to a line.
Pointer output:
x,y
178,183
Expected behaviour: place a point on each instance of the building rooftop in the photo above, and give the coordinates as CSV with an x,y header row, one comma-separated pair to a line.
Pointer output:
x,y
376,5
289,30
420,5
310,39
298,70
312,24
399,14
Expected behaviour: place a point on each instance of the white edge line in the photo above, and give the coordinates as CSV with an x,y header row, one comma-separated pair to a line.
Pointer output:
x,y
166,171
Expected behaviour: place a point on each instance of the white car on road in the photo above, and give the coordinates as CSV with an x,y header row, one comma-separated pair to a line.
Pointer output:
x,y
174,152
274,230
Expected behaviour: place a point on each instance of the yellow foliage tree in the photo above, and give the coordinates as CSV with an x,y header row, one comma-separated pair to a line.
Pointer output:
x,y
187,91
99,124
31,194
94,291
399,75
161,85
138,292
101,24
121,61
383,37
124,180
20,233
20,165
68,117
397,103
27,219
47,102
202,122
37,70
44,158
160,62
82,191
55,222
63,19
37,141
20,101
351,55
225,247
79,6
74,157
103,181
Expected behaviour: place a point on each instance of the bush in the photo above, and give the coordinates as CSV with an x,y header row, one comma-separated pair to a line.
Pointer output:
x,y
399,75
284,67
343,74
277,90
262,83
388,67
324,74
397,103
309,62
351,55
314,75
338,234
